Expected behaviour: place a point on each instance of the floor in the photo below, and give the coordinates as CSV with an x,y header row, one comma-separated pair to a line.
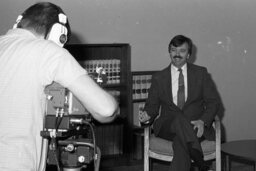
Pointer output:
x,y
160,166
164,167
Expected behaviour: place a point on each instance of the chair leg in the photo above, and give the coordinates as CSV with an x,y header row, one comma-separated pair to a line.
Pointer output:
x,y
218,164
218,160
151,164
146,162
196,169
146,149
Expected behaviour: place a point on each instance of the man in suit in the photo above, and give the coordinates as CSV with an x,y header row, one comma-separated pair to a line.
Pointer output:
x,y
187,100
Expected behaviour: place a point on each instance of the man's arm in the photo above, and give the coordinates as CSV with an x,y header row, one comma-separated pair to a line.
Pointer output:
x,y
97,101
152,104
211,102
211,99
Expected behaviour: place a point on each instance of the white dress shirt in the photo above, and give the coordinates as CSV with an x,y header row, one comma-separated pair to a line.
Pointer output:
x,y
175,82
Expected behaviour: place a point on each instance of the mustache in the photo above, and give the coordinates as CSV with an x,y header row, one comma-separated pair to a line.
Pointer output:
x,y
177,56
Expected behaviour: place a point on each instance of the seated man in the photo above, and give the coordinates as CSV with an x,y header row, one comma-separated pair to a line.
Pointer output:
x,y
188,101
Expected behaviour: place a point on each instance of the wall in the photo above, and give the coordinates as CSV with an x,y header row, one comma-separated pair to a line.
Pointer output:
x,y
223,32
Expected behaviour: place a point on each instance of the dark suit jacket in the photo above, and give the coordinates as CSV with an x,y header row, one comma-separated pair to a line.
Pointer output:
x,y
202,100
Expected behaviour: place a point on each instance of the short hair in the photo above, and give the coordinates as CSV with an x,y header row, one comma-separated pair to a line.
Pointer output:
x,y
41,17
180,40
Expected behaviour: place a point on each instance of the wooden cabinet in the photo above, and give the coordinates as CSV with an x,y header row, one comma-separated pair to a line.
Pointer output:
x,y
113,138
141,82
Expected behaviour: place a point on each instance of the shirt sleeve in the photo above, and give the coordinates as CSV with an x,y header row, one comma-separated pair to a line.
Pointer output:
x,y
58,65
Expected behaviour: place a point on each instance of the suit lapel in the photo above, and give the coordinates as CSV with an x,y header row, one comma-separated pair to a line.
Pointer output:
x,y
190,82
167,77
167,84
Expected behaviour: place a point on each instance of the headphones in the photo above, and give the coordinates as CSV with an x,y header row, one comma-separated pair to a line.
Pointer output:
x,y
58,33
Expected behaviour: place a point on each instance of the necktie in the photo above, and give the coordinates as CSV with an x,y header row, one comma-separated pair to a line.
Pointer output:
x,y
181,90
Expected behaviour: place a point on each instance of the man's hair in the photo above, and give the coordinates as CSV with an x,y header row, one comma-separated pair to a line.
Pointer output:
x,y
180,40
40,17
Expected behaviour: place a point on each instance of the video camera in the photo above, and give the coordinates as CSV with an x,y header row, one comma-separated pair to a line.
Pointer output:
x,y
69,130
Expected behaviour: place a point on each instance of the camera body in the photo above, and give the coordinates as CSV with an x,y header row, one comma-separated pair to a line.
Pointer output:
x,y
67,126
60,97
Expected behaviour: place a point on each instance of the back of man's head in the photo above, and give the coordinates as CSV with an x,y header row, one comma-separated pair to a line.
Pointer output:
x,y
40,18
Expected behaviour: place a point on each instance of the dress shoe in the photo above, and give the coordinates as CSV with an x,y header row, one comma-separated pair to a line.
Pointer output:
x,y
205,168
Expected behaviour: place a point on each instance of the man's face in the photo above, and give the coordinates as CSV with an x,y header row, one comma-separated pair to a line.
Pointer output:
x,y
179,55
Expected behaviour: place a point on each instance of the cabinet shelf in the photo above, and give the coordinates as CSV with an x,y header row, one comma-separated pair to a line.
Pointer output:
x,y
139,100
114,86
141,82
113,138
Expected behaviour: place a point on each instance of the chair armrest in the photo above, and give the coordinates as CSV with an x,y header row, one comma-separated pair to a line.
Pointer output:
x,y
217,126
146,147
147,133
146,142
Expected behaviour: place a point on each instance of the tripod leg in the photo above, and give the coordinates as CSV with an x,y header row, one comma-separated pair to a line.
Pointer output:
x,y
97,160
42,165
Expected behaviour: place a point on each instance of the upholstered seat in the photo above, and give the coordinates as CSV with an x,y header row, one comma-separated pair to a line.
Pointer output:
x,y
158,148
164,147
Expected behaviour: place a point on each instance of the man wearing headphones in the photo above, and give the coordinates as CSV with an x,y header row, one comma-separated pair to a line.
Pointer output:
x,y
32,57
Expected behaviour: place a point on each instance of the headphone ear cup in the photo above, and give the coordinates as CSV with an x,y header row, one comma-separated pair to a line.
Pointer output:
x,y
58,34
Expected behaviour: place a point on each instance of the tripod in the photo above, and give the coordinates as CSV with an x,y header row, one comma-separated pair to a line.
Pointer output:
x,y
70,149
64,144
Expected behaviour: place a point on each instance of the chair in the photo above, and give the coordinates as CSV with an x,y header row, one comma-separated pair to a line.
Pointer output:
x,y
161,149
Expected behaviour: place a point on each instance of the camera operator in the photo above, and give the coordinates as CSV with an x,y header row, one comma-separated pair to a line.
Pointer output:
x,y
32,57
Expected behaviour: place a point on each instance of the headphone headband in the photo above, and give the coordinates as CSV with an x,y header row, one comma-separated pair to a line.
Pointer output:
x,y
58,32
19,18
62,19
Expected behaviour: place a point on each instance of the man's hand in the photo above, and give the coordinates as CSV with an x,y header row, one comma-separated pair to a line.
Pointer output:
x,y
199,125
143,116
